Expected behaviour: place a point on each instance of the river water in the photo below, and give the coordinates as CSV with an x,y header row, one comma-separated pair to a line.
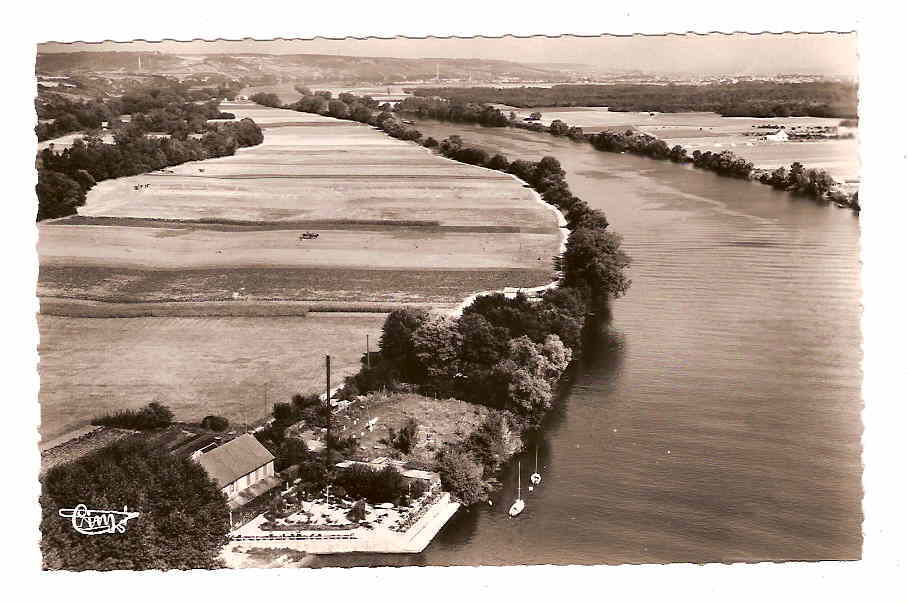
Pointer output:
x,y
717,415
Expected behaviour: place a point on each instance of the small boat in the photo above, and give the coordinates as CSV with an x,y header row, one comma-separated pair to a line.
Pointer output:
x,y
518,505
536,478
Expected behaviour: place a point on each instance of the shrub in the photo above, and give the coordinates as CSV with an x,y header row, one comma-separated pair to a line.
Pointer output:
x,y
404,439
461,475
375,486
358,512
215,423
152,416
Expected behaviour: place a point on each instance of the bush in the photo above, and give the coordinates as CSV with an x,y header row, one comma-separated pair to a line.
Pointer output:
x,y
152,416
375,486
215,423
358,512
461,475
404,439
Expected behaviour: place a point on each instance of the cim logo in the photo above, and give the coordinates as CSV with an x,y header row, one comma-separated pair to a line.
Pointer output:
x,y
98,522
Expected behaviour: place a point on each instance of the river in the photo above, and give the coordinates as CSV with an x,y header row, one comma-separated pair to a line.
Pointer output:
x,y
717,415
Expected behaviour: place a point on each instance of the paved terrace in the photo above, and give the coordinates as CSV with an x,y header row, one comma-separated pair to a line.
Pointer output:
x,y
380,538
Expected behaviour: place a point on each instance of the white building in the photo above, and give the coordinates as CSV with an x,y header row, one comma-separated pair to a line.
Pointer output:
x,y
239,464
780,136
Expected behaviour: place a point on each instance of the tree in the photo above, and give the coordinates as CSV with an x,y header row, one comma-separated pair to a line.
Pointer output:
x,y
461,475
215,423
58,195
182,523
268,99
593,257
528,395
338,109
482,344
402,440
436,346
152,416
292,451
576,133
396,341
360,113
358,512
558,128
498,162
536,115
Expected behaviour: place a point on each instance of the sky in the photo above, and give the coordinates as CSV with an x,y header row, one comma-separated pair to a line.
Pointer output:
x,y
827,54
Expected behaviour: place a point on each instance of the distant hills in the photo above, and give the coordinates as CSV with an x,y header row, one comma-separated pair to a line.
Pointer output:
x,y
271,68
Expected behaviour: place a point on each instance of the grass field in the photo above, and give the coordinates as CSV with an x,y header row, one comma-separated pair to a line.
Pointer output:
x,y
196,366
396,225
359,189
195,248
354,286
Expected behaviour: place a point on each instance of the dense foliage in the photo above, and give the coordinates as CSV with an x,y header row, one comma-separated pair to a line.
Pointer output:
x,y
751,99
90,160
164,106
469,470
375,486
182,522
403,439
215,423
152,416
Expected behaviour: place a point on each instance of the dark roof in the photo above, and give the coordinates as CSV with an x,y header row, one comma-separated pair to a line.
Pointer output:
x,y
235,459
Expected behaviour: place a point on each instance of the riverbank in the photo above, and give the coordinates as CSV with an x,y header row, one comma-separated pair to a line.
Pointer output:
x,y
799,178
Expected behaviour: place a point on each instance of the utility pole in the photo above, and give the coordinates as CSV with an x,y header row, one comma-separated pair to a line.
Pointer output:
x,y
265,385
328,409
368,354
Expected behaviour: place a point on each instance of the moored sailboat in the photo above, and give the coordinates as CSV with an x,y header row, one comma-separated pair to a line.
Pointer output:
x,y
536,477
518,505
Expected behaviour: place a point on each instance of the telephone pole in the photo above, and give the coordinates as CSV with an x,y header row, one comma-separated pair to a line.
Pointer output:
x,y
368,354
328,410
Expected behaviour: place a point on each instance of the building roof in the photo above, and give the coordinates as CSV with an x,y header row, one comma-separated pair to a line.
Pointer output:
x,y
235,459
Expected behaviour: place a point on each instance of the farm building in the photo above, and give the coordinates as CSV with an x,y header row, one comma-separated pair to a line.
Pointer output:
x,y
239,464
779,136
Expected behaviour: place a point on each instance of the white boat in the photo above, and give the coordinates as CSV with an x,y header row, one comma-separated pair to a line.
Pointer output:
x,y
518,505
536,478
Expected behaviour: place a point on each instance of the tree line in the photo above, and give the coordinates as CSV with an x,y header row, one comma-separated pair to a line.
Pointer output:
x,y
502,352
166,106
815,183
741,99
64,178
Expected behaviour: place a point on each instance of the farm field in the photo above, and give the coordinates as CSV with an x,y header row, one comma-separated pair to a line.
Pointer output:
x,y
378,204
351,287
232,366
396,225
189,248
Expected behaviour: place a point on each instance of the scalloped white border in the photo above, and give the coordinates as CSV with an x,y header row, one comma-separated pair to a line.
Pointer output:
x,y
883,153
